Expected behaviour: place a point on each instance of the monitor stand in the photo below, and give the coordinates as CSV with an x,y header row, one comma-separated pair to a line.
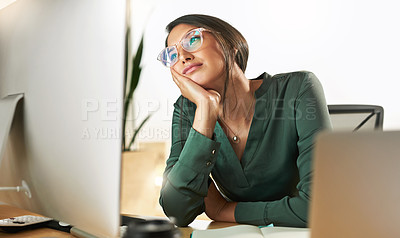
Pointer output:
x,y
7,109
8,105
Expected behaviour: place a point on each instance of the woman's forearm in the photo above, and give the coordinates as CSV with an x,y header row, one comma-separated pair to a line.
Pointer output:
x,y
205,119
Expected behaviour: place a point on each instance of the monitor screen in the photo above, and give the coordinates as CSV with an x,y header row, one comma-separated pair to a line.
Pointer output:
x,y
67,59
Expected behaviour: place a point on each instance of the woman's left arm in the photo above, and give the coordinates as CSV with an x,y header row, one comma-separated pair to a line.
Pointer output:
x,y
311,117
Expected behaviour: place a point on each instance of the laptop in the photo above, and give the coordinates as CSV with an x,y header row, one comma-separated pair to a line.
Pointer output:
x,y
356,188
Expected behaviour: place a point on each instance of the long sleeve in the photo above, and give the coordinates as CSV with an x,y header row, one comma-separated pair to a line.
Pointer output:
x,y
310,115
186,177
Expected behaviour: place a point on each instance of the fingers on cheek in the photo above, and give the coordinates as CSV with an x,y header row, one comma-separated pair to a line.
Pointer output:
x,y
176,81
174,72
179,84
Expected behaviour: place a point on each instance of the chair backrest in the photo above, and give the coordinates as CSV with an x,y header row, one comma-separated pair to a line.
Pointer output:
x,y
353,117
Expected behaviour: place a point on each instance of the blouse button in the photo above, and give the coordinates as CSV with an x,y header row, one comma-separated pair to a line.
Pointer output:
x,y
208,163
213,152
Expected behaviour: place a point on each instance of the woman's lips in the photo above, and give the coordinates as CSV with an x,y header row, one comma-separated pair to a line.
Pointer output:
x,y
190,68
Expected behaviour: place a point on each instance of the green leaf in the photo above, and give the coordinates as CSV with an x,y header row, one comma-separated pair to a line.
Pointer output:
x,y
126,62
131,84
126,67
136,70
136,65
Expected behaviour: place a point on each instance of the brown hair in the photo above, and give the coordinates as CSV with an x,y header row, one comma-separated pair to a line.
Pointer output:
x,y
234,45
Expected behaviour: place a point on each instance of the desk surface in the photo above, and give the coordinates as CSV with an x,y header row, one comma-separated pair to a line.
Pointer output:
x,y
9,211
203,225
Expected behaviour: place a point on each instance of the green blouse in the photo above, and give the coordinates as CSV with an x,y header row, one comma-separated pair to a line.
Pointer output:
x,y
272,181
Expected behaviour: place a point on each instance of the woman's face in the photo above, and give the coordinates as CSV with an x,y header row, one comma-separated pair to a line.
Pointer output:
x,y
204,66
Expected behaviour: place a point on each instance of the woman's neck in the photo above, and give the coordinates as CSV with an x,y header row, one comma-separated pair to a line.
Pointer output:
x,y
239,98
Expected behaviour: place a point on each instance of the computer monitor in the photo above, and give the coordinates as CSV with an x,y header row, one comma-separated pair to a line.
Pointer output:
x,y
355,185
67,59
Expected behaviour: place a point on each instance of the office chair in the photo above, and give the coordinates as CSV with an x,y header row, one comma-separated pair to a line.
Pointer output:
x,y
356,117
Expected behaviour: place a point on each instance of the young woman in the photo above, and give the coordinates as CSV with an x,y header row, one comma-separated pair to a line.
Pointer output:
x,y
254,137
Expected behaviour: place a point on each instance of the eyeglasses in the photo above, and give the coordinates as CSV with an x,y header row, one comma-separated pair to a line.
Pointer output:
x,y
191,42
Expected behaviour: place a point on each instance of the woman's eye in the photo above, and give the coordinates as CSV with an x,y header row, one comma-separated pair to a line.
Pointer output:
x,y
194,40
173,56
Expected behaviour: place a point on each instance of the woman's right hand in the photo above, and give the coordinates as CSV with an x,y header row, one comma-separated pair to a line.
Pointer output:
x,y
208,103
207,98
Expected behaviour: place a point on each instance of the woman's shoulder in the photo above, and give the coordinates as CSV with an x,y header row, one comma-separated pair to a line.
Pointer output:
x,y
299,76
300,80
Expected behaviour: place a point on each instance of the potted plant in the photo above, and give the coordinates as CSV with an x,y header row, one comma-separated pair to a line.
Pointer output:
x,y
140,167
132,76
143,166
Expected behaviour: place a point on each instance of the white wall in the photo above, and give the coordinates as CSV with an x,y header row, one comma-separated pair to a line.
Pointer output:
x,y
351,45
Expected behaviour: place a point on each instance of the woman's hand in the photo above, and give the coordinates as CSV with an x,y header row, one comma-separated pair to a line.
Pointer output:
x,y
208,103
217,208
196,93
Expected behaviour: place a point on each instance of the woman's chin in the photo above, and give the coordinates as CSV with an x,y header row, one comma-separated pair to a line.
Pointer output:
x,y
206,84
199,80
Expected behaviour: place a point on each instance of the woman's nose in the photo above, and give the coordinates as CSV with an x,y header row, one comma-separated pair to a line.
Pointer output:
x,y
184,56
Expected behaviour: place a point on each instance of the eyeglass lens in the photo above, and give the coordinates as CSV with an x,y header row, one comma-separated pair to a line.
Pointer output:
x,y
191,42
